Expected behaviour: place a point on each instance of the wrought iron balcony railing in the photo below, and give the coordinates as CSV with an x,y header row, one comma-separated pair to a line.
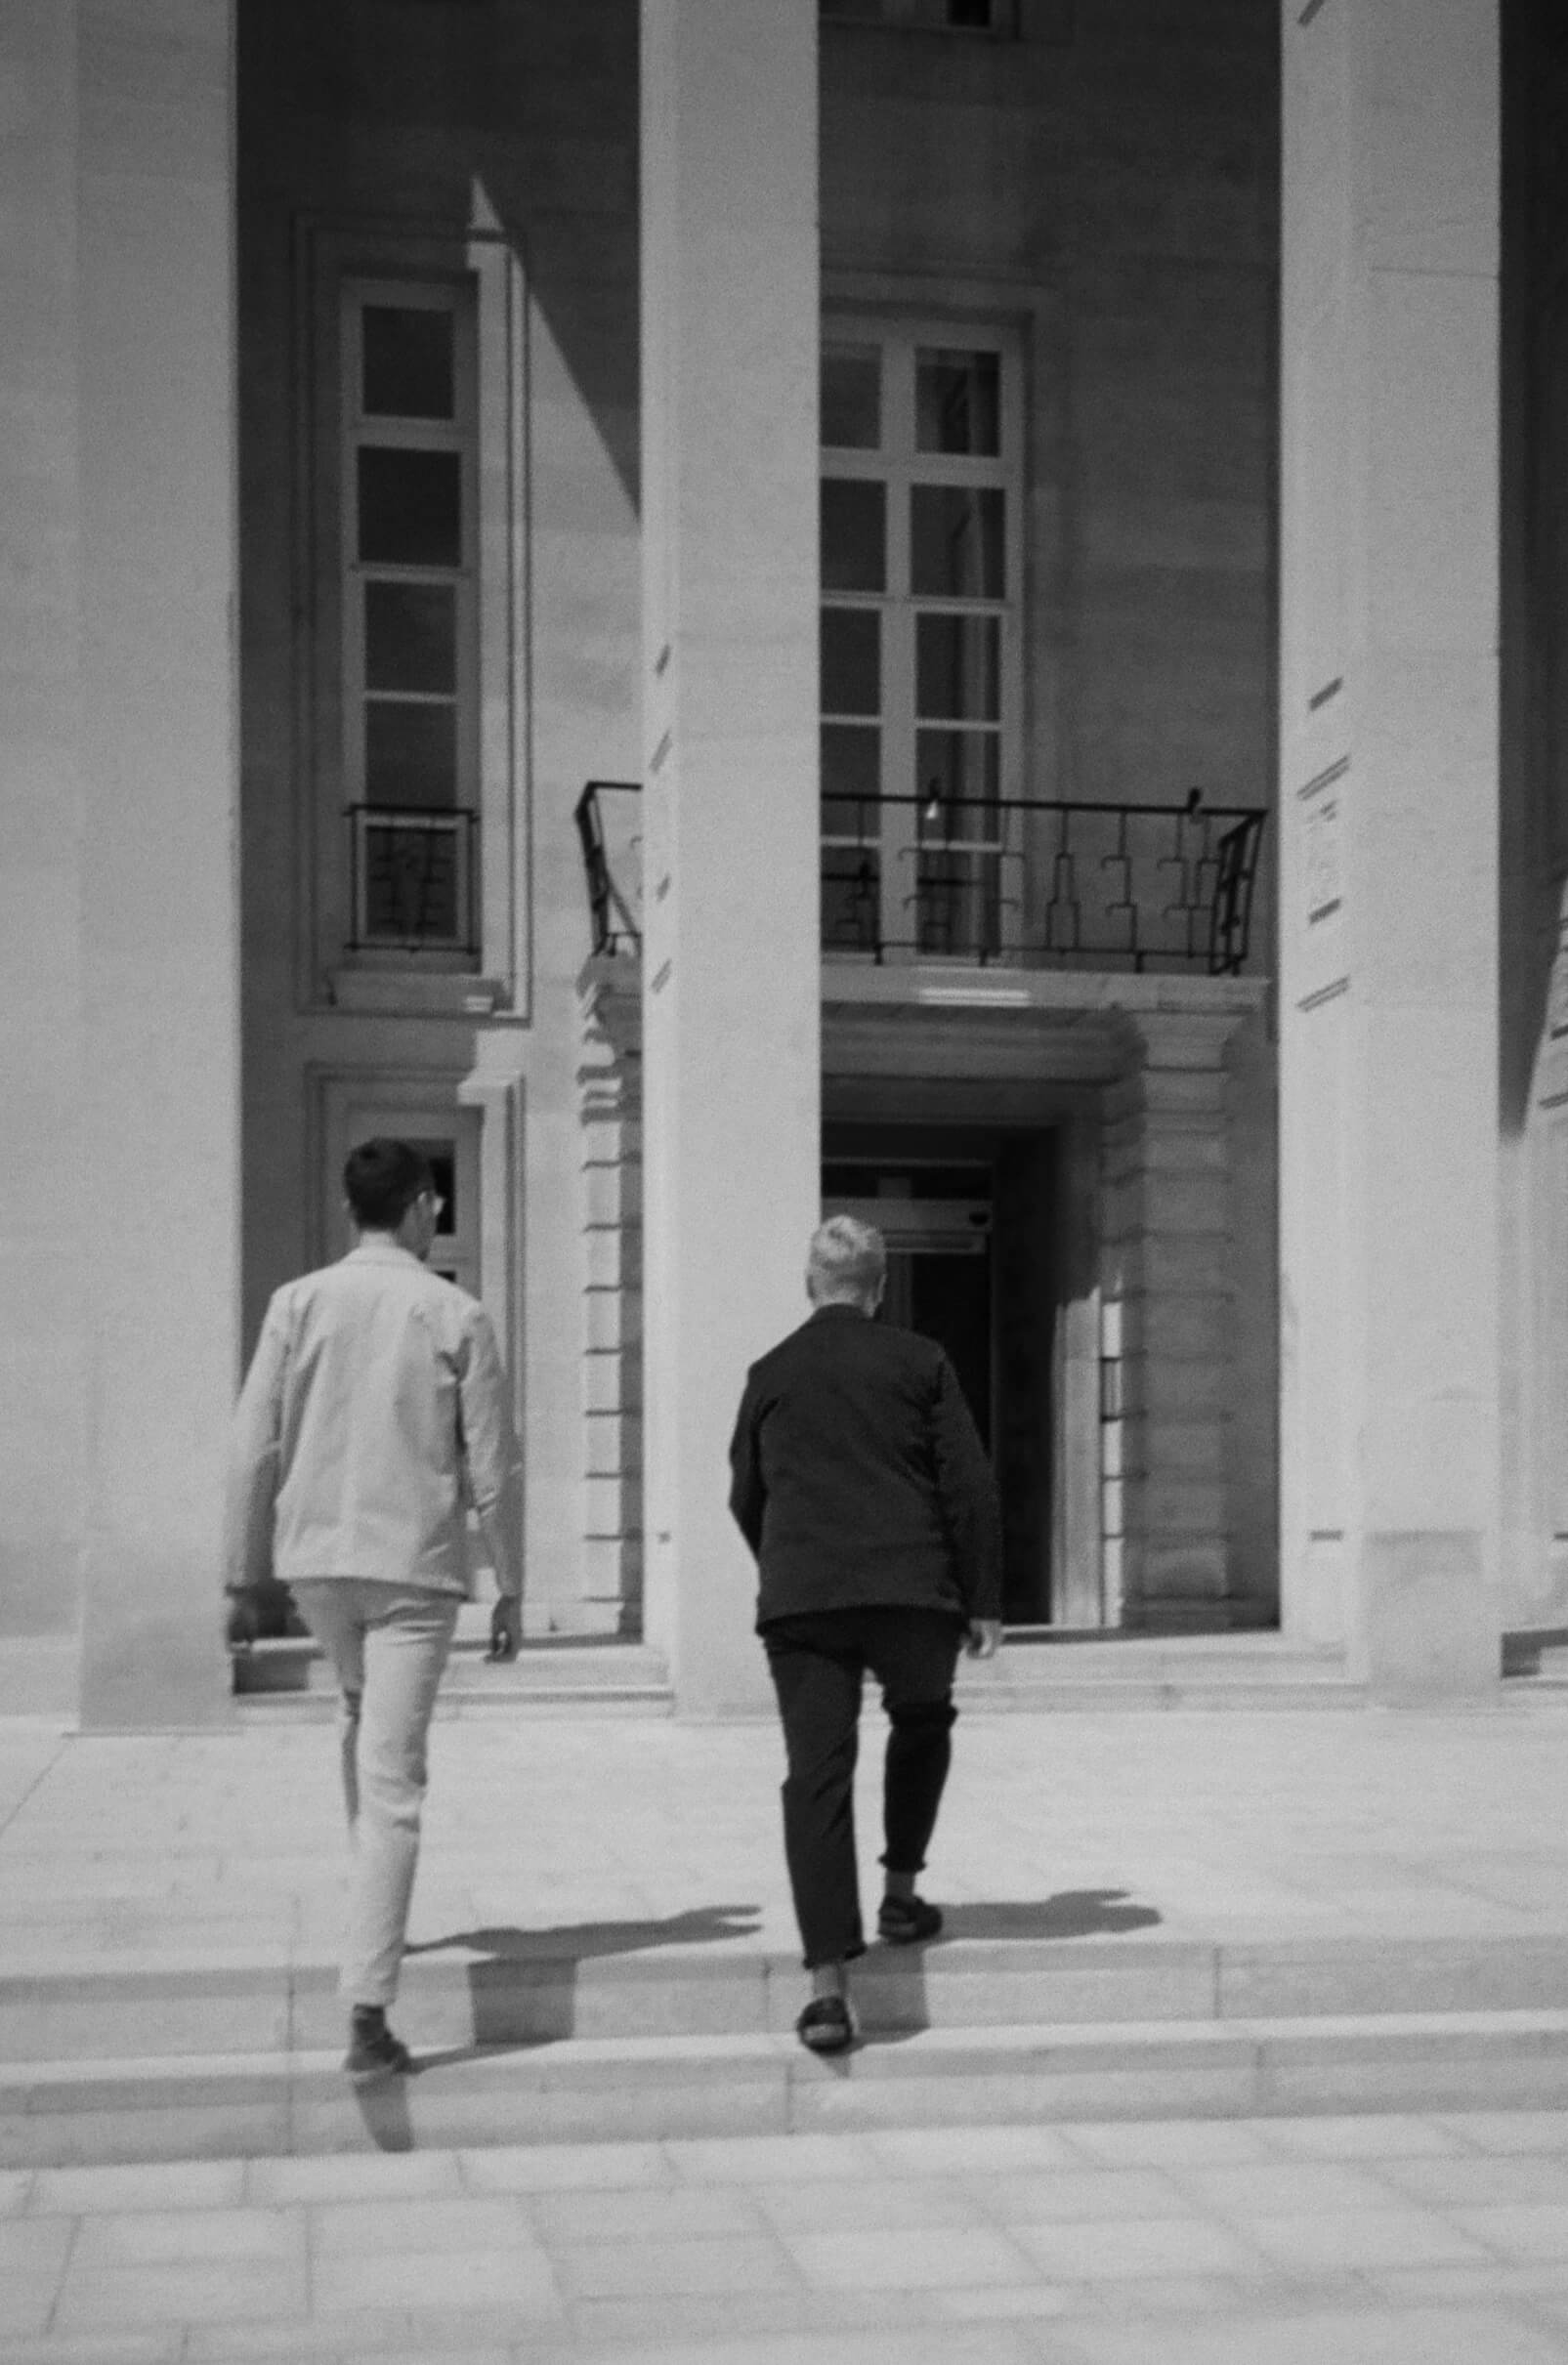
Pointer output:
x,y
414,878
1019,882
612,840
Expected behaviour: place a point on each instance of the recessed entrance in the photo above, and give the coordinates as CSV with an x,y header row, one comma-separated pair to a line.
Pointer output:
x,y
968,1220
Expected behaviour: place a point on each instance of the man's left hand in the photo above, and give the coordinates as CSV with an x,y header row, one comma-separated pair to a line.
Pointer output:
x,y
506,1627
984,1638
241,1619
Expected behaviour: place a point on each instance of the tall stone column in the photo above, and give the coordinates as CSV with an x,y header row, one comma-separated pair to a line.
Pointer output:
x,y
1389,789
1169,1257
730,297
42,1302
159,1189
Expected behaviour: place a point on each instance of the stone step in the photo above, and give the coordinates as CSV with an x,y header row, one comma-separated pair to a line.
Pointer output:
x,y
530,1992
1048,1670
291,1679
1038,1671
62,2113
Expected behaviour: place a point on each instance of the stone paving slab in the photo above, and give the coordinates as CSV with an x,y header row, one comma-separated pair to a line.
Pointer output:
x,y
626,1834
1433,2239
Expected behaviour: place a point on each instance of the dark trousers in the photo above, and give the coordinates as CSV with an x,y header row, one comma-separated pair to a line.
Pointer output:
x,y
818,1663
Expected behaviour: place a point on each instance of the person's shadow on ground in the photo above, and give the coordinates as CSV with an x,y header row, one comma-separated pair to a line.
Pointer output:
x,y
892,1980
585,1941
523,1983
1073,1912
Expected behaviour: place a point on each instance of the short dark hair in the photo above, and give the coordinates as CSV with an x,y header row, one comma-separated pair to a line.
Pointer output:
x,y
381,1180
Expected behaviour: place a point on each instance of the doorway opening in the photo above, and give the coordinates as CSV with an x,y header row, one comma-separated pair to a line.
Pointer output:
x,y
969,1223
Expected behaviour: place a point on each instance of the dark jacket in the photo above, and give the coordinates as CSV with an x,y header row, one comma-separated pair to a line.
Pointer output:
x,y
858,1478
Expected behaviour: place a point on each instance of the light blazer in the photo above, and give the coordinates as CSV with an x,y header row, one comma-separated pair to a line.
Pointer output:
x,y
375,1410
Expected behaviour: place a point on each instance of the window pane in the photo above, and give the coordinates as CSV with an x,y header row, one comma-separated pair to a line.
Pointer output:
x,y
854,521
852,780
408,363
851,899
956,541
958,773
442,1159
410,637
410,507
959,904
852,396
410,754
959,874
851,660
958,401
410,885
958,667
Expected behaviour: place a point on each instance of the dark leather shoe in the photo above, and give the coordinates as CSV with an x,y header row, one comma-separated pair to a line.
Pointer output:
x,y
827,2025
373,2050
908,1920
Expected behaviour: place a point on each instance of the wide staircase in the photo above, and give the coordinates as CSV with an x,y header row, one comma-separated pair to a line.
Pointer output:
x,y
1008,2019
1078,2008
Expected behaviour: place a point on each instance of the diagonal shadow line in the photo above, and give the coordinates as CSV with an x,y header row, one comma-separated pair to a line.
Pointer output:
x,y
1075,1913
384,2108
523,1983
1072,1913
568,1942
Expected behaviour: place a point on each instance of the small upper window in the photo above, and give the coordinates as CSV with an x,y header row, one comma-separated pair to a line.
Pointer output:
x,y
926,15
408,596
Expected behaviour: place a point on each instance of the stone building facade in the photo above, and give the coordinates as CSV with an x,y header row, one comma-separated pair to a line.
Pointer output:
x,y
1007,491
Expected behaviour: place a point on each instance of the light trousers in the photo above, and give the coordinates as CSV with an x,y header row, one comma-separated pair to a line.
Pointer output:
x,y
388,1644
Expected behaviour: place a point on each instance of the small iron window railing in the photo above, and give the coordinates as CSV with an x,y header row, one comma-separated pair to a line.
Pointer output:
x,y
413,878
1023,882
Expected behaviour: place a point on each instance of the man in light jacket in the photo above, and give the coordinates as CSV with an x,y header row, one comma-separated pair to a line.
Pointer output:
x,y
860,1483
375,1414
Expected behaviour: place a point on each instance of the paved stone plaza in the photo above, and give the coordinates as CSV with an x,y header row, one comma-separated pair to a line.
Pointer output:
x,y
1423,2234
1406,2240
1222,1825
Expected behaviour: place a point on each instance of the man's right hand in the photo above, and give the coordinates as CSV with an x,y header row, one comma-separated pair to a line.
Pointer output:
x,y
984,1638
506,1627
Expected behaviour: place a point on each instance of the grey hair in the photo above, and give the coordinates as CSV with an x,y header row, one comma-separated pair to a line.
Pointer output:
x,y
846,1259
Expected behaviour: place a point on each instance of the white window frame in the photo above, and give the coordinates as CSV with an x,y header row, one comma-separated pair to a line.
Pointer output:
x,y
361,430
485,268
900,468
353,1106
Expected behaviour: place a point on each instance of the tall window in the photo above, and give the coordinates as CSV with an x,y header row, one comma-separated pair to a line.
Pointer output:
x,y
410,615
920,562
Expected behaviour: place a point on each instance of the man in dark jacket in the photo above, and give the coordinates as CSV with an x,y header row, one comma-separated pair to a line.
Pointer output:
x,y
862,1487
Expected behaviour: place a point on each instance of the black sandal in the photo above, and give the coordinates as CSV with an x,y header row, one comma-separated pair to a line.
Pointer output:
x,y
827,2025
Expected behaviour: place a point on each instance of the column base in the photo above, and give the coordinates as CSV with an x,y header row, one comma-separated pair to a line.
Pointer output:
x,y
1428,1624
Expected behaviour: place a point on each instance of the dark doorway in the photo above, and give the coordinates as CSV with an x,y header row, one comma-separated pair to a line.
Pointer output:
x,y
948,1297
967,1222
